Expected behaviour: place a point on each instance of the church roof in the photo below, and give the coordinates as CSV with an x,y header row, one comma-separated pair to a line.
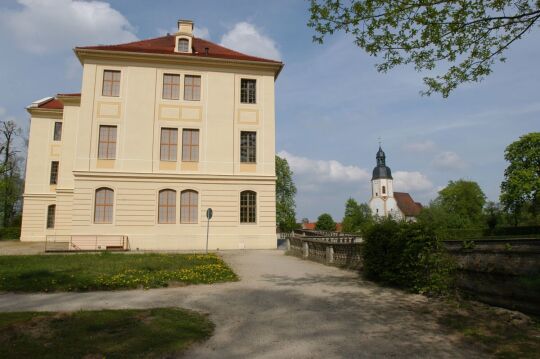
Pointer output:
x,y
381,170
407,205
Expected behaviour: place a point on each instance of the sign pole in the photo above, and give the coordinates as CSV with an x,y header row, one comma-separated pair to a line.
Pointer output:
x,y
209,214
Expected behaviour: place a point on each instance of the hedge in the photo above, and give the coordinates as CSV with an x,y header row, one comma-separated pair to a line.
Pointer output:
x,y
10,233
475,233
408,255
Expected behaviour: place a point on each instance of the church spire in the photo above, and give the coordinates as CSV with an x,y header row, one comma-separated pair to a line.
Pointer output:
x,y
381,171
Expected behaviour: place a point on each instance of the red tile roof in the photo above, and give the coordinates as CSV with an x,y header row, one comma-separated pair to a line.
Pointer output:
x,y
407,205
52,104
309,226
166,45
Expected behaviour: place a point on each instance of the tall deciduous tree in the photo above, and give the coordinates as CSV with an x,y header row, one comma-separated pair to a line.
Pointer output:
x,y
521,185
465,37
357,216
285,192
10,181
463,200
325,222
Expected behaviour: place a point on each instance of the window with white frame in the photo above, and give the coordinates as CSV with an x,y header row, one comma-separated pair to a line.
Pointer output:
x,y
107,143
103,205
167,206
189,206
169,144
248,207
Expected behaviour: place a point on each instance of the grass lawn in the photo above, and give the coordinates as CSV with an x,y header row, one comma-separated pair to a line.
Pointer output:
x,y
109,271
161,332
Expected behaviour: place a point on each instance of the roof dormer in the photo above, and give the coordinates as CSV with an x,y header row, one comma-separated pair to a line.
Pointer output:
x,y
184,37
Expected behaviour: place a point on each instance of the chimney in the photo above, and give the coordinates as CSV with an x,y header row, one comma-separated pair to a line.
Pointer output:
x,y
185,27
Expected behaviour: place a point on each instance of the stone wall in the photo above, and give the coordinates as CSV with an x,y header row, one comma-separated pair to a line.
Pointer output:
x,y
504,273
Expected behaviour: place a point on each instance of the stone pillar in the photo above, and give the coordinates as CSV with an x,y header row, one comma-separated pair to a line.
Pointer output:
x,y
330,254
305,246
288,243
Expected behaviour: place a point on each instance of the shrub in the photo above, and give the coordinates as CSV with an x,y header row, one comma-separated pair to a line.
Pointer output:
x,y
10,233
408,255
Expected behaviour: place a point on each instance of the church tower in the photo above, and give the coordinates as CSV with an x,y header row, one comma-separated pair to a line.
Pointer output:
x,y
382,201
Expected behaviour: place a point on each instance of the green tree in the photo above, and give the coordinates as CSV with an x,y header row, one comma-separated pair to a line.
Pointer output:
x,y
521,185
285,192
465,37
10,176
463,202
325,222
357,216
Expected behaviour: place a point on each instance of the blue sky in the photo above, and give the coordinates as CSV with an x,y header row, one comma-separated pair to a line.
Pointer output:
x,y
331,104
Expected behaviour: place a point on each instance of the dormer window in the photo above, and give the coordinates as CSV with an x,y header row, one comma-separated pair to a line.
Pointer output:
x,y
183,45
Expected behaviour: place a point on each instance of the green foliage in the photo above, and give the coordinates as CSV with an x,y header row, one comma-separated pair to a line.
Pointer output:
x,y
357,217
106,271
285,192
520,190
325,222
125,333
459,205
7,233
407,255
469,35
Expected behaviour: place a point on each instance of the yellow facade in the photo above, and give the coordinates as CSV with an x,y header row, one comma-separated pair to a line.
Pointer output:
x,y
136,174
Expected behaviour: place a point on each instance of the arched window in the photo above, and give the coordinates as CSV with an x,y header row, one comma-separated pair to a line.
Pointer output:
x,y
51,213
167,206
189,204
383,189
248,207
103,207
183,45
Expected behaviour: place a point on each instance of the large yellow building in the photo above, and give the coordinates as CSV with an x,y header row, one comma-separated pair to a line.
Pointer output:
x,y
162,130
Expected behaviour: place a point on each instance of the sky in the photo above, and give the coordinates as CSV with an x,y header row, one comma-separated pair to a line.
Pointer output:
x,y
332,106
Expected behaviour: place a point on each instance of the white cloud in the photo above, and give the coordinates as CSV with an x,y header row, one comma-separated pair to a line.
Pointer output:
x,y
449,161
43,26
321,171
411,181
246,38
422,146
201,32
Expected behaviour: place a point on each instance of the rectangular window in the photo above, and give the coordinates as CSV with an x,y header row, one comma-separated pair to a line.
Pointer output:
x,y
190,145
248,147
171,87
54,172
111,83
57,131
248,91
192,88
189,204
107,143
167,206
248,207
51,212
103,206
169,144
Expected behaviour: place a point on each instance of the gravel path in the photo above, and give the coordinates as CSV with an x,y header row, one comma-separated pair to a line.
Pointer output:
x,y
284,307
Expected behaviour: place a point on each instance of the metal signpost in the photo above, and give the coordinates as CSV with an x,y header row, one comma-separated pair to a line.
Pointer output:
x,y
209,214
